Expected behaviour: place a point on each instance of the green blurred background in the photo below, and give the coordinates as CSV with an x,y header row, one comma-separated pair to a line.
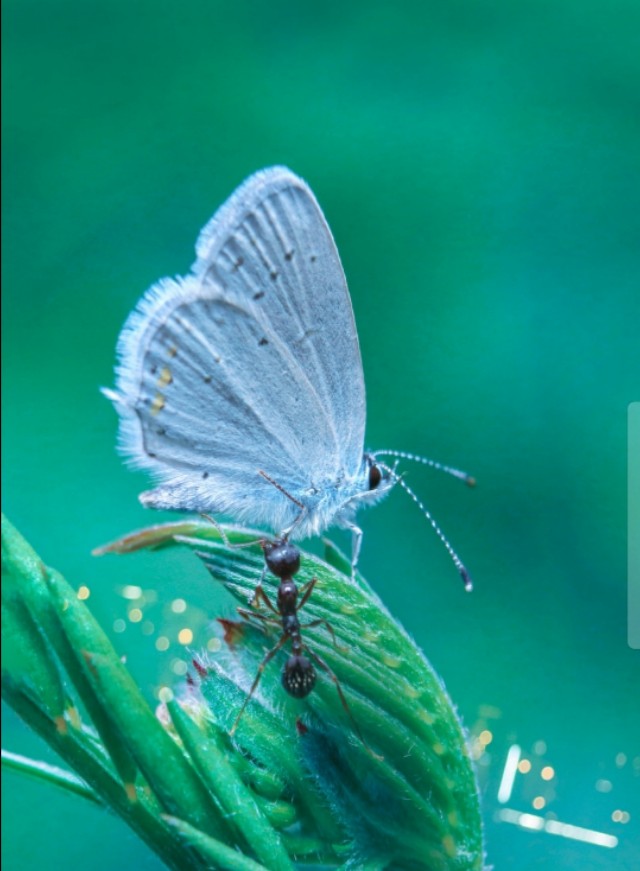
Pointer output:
x,y
479,166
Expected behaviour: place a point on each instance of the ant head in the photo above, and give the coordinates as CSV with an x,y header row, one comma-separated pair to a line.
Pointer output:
x,y
282,558
298,676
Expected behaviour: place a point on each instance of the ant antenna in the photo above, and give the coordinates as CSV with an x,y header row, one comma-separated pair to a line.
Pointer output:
x,y
469,480
281,489
464,574
223,535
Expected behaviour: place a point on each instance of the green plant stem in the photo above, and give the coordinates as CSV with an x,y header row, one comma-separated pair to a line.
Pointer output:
x,y
50,774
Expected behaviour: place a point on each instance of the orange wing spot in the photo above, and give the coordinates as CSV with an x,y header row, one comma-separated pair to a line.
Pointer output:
x,y
158,403
165,377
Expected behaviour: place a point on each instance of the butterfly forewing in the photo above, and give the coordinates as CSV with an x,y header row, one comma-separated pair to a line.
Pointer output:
x,y
281,256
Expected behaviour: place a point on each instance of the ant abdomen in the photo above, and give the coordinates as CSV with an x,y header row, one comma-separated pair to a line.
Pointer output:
x,y
298,676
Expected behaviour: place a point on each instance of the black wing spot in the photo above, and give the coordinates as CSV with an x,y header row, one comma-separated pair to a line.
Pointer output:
x,y
289,255
205,474
207,379
259,294
263,342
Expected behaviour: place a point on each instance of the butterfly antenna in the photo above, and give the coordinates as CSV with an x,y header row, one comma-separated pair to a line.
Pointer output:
x,y
464,574
469,480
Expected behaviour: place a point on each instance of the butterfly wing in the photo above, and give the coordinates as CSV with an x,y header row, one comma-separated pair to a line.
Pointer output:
x,y
250,363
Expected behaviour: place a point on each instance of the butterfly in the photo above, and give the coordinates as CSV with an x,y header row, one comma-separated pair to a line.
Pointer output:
x,y
240,385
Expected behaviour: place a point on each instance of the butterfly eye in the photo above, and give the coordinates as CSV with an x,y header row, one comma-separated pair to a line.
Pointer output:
x,y
375,476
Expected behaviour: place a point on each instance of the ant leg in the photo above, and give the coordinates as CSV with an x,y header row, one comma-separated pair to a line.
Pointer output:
x,y
268,656
323,665
330,630
251,615
305,592
260,596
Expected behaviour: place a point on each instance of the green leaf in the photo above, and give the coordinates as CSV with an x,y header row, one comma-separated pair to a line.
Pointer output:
x,y
419,804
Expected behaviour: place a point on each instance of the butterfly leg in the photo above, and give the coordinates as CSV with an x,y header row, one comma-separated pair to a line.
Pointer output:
x,y
267,658
356,544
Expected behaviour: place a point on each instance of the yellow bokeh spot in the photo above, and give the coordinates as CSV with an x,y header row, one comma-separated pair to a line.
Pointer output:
x,y
162,643
178,606
131,592
135,615
185,636
84,593
547,773
119,625
165,694
538,802
485,737
524,766
179,666
214,644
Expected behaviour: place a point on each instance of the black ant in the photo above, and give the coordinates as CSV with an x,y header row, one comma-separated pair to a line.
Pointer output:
x,y
298,675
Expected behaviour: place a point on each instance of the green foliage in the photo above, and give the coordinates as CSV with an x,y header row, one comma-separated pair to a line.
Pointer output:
x,y
382,782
